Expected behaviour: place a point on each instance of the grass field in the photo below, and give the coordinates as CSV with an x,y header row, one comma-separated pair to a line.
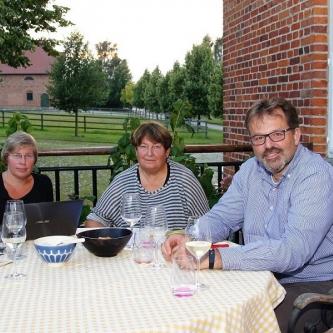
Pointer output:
x,y
108,132
60,138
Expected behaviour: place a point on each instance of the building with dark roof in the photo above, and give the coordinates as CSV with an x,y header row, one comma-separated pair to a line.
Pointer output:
x,y
26,86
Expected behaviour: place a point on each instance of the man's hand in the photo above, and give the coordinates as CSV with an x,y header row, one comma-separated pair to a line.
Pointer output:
x,y
172,245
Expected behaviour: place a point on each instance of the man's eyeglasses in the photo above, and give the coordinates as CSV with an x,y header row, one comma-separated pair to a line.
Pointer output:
x,y
274,136
18,156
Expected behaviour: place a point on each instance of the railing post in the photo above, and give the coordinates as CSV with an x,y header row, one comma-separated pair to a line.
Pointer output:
x,y
42,121
76,183
57,184
3,118
94,185
84,124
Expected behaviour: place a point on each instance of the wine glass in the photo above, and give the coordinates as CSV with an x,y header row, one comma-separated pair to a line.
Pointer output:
x,y
157,223
14,235
130,210
16,206
198,244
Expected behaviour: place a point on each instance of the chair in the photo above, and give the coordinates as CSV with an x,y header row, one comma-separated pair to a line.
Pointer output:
x,y
305,302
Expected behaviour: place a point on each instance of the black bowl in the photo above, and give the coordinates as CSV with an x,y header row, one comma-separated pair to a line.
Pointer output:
x,y
97,241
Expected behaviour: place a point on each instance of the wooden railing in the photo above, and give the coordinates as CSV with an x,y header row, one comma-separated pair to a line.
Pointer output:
x,y
222,148
106,150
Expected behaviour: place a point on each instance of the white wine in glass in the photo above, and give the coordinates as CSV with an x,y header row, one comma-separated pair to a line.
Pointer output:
x,y
198,244
14,235
16,206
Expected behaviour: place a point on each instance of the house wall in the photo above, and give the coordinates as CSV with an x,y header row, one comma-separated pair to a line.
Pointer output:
x,y
276,48
14,88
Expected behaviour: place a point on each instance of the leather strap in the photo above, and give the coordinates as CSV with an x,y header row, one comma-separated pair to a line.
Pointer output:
x,y
211,258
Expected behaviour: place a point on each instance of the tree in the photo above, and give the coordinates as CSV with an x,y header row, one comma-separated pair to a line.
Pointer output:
x,y
151,96
218,49
199,64
77,81
177,83
120,77
127,94
215,92
116,69
164,94
139,90
106,50
21,22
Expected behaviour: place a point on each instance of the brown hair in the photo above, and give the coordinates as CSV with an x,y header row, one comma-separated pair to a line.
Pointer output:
x,y
269,106
17,140
154,131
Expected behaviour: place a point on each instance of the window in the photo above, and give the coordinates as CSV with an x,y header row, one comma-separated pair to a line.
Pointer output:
x,y
30,96
28,78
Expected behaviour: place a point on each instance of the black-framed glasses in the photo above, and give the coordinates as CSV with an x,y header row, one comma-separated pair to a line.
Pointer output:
x,y
274,136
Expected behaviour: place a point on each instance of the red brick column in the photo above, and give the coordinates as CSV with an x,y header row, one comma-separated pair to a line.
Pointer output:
x,y
276,48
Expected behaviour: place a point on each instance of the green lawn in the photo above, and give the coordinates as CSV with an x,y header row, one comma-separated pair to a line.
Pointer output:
x,y
60,138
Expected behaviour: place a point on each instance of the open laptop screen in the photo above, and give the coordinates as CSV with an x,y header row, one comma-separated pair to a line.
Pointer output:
x,y
52,218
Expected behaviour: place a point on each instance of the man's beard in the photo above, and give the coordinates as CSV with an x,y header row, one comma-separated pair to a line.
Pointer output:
x,y
275,167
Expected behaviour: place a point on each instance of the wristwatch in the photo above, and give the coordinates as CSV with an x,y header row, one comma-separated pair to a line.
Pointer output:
x,y
211,258
211,253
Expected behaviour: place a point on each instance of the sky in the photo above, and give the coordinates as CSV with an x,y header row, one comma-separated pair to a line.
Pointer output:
x,y
148,33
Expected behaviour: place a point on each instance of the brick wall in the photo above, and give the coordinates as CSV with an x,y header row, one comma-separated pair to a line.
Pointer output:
x,y
276,48
14,88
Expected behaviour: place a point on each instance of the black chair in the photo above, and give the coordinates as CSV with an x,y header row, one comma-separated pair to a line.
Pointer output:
x,y
307,301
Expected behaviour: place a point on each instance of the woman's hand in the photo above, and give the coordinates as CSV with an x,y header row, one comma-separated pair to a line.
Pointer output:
x,y
172,245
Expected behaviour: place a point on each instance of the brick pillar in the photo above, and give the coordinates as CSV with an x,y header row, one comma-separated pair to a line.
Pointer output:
x,y
276,48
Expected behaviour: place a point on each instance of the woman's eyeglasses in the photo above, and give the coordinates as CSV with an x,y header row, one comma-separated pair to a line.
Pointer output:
x,y
18,156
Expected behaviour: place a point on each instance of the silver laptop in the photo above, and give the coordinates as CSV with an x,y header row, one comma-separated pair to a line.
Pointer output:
x,y
52,218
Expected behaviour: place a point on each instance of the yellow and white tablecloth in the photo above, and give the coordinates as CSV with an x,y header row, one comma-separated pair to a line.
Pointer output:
x,y
92,294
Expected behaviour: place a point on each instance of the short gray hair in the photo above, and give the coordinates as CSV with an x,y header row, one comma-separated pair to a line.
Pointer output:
x,y
269,106
18,140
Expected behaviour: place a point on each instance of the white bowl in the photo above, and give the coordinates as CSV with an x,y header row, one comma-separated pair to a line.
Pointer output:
x,y
55,250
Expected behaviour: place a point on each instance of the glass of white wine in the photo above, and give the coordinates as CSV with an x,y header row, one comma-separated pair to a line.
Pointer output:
x,y
16,206
14,235
130,210
198,244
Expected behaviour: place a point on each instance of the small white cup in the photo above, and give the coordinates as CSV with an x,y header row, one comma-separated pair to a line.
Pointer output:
x,y
183,276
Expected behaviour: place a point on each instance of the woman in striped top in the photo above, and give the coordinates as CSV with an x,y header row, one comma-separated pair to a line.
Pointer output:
x,y
158,180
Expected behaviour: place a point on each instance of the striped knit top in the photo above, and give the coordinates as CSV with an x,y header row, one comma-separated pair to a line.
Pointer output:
x,y
181,196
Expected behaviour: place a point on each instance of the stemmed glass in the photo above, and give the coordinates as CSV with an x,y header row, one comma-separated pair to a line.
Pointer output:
x,y
158,224
130,210
198,244
16,206
14,235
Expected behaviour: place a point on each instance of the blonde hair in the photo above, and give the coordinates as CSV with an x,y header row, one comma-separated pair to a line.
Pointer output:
x,y
18,140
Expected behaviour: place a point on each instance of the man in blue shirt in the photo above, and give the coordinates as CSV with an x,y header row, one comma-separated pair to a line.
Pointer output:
x,y
282,200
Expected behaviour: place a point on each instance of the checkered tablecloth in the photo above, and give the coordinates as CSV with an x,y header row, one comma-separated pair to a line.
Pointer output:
x,y
92,294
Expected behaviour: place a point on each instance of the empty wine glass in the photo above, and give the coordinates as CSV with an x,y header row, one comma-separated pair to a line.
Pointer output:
x,y
157,223
14,235
130,210
198,244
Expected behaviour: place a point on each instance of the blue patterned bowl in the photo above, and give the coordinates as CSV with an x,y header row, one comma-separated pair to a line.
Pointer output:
x,y
53,254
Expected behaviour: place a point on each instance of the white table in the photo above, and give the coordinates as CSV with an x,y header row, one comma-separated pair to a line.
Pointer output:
x,y
92,294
